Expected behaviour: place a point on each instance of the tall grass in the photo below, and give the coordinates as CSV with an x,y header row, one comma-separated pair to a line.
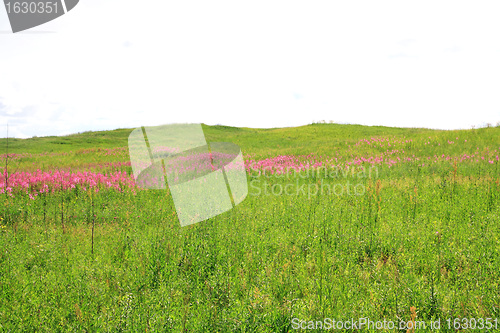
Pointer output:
x,y
420,243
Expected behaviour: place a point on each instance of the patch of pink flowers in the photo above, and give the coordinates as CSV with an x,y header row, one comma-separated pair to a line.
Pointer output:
x,y
37,182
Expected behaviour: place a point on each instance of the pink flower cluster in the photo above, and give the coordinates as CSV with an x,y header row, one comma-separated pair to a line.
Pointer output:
x,y
37,182
111,175
286,163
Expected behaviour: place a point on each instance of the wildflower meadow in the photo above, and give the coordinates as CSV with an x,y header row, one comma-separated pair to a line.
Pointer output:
x,y
340,221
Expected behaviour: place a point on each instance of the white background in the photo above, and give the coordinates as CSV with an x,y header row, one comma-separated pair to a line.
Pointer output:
x,y
117,63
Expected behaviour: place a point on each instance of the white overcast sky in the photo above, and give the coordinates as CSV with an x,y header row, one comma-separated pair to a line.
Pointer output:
x,y
118,63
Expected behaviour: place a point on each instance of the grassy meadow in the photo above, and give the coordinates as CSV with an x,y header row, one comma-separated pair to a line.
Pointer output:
x,y
382,223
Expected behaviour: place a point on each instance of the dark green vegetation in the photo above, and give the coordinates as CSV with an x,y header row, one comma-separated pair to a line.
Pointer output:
x,y
418,236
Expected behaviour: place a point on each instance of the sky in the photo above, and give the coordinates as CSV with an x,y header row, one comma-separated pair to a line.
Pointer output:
x,y
124,64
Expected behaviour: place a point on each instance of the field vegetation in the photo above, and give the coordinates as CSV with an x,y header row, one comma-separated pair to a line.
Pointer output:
x,y
341,221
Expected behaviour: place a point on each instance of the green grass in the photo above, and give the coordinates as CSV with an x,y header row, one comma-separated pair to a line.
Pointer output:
x,y
314,138
85,149
424,237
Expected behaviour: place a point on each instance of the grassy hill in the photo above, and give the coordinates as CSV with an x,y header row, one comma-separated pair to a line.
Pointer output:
x,y
314,138
87,250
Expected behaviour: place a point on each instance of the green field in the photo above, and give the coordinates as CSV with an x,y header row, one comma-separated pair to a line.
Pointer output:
x,y
416,237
